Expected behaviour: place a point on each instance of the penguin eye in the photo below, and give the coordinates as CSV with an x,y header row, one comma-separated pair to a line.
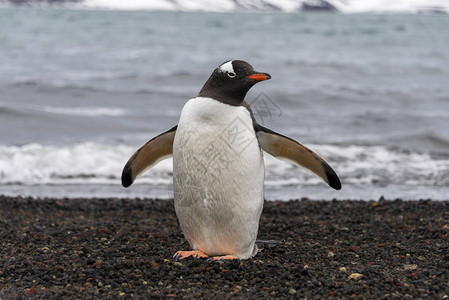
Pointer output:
x,y
231,74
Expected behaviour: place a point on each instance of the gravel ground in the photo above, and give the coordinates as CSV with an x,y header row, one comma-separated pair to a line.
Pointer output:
x,y
123,248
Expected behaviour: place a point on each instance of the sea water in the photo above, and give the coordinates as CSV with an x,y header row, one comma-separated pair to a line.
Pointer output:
x,y
81,90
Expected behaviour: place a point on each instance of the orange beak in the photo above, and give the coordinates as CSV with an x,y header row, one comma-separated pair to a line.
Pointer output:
x,y
259,76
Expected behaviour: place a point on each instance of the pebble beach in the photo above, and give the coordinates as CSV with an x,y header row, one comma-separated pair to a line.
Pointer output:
x,y
123,248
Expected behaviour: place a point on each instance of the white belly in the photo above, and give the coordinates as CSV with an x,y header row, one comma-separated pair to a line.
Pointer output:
x,y
218,175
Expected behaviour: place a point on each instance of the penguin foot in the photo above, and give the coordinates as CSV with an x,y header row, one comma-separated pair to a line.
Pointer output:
x,y
193,253
218,258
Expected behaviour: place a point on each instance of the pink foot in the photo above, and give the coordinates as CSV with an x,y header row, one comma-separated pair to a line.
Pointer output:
x,y
193,253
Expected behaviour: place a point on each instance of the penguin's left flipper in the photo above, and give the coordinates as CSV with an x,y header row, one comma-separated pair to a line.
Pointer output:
x,y
148,155
285,148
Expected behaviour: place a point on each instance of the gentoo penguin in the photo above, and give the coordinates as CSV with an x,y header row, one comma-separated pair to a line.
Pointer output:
x,y
218,167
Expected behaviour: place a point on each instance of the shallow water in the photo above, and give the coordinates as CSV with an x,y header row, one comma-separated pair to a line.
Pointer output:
x,y
82,89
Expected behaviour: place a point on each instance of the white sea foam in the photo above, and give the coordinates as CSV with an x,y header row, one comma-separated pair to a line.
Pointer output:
x,y
92,163
94,170
82,163
366,165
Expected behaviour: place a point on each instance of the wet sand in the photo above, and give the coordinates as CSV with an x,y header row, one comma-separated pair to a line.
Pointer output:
x,y
112,248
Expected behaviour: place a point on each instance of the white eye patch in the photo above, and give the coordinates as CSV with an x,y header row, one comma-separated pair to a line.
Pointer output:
x,y
227,67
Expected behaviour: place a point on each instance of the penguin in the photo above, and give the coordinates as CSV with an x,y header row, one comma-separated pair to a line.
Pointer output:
x,y
218,166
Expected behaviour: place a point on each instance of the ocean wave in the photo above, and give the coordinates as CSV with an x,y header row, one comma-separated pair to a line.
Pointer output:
x,y
64,79
93,163
425,139
26,109
86,111
10,112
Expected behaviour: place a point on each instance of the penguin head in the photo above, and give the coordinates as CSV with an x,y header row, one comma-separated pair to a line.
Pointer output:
x,y
230,82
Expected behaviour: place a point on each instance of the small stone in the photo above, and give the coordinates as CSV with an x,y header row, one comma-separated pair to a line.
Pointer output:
x,y
342,269
177,263
31,291
292,291
330,254
154,264
356,276
410,267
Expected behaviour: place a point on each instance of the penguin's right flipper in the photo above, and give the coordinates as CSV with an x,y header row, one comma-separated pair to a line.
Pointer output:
x,y
285,148
148,155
